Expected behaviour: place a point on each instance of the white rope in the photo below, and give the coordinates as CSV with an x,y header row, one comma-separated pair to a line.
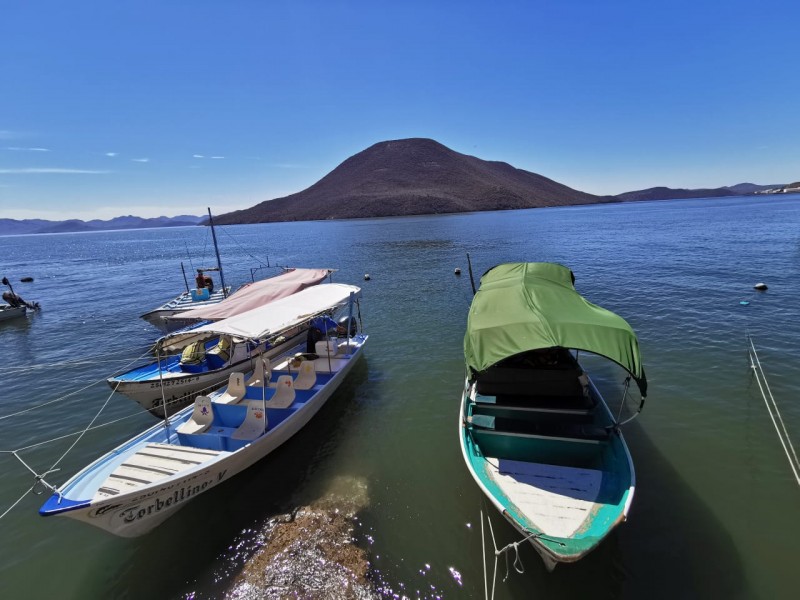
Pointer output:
x,y
774,412
517,564
483,553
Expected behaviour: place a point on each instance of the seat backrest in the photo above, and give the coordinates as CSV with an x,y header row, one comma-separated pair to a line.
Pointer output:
x,y
307,377
201,418
261,372
235,390
326,347
254,424
236,385
284,394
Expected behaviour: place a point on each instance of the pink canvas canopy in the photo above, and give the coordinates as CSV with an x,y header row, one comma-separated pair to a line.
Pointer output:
x,y
253,295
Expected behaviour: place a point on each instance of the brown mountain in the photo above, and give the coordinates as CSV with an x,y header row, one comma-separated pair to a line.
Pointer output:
x,y
413,177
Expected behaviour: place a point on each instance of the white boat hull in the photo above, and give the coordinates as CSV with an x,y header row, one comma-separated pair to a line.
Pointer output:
x,y
159,317
11,312
137,512
180,389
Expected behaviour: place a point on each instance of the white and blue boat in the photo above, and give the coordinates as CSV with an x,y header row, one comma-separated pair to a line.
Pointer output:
x,y
135,487
536,434
201,362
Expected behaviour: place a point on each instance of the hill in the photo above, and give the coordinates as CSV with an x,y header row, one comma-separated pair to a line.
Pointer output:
x,y
30,226
413,177
666,193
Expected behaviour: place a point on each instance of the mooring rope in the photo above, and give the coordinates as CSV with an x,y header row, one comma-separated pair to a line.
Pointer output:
x,y
517,564
773,410
39,478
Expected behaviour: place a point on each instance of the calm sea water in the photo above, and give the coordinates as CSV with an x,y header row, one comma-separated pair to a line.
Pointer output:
x,y
716,512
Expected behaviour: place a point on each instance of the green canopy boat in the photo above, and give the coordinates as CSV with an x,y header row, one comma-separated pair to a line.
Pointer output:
x,y
535,433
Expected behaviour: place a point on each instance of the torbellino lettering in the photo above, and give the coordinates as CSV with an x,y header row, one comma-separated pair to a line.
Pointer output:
x,y
134,513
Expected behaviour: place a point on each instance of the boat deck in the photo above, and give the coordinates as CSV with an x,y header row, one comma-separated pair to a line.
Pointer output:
x,y
152,463
559,501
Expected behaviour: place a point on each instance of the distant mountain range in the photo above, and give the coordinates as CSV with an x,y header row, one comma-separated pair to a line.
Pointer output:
x,y
28,226
414,176
665,193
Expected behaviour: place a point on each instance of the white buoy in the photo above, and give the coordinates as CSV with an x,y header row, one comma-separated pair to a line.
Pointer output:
x,y
457,271
760,286
366,276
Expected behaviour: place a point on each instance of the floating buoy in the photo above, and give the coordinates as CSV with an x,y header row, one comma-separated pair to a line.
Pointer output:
x,y
457,271
366,276
26,279
760,286
744,303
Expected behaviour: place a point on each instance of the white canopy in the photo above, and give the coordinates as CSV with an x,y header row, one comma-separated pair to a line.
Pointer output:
x,y
269,319
253,295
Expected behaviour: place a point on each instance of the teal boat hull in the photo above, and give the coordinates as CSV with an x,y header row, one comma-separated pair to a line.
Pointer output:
x,y
564,481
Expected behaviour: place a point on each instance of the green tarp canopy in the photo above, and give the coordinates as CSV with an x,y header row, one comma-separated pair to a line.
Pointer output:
x,y
528,306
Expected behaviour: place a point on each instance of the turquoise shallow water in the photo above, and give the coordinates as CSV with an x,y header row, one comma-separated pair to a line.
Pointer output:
x,y
716,510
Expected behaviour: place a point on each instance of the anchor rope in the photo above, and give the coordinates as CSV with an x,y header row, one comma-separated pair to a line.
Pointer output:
x,y
773,410
39,478
519,567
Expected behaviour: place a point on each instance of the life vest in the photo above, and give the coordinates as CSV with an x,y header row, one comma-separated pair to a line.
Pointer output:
x,y
193,354
223,348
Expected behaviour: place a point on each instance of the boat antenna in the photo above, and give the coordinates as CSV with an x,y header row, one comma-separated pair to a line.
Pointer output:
x,y
216,250
471,279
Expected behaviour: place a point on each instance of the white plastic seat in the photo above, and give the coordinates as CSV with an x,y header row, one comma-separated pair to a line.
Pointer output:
x,y
261,372
235,390
201,416
254,424
324,348
307,376
284,393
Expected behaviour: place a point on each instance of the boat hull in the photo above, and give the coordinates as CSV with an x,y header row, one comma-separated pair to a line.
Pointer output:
x,y
180,389
563,494
159,317
11,312
137,512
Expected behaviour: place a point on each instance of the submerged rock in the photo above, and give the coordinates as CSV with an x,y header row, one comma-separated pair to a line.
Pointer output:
x,y
310,553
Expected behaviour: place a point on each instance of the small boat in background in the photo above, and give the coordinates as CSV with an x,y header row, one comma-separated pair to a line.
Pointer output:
x,y
202,295
14,306
536,434
135,487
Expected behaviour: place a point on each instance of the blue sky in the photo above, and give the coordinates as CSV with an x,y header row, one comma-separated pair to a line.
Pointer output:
x,y
165,107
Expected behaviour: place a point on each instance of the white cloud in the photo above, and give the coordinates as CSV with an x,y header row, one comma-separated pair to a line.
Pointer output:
x,y
111,154
141,160
51,170
197,156
217,157
287,166
18,149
